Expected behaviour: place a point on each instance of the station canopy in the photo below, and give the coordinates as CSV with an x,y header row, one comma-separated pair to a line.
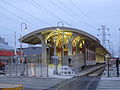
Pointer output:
x,y
59,33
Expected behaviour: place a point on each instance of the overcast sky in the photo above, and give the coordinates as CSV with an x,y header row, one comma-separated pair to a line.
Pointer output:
x,y
86,15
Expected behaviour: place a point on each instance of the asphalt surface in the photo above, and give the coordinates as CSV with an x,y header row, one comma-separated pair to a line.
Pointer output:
x,y
40,83
82,83
31,83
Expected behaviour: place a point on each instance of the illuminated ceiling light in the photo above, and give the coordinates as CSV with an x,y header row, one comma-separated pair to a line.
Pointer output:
x,y
57,28
48,39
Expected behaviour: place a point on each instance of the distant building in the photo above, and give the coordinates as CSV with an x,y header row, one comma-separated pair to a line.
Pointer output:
x,y
32,50
2,40
6,51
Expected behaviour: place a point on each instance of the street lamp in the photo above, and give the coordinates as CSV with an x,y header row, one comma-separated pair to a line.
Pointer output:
x,y
21,50
55,56
119,44
58,28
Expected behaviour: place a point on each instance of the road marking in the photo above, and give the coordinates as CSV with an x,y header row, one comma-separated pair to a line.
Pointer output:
x,y
66,84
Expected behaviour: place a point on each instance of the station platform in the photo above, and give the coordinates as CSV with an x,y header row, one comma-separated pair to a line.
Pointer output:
x,y
109,83
87,71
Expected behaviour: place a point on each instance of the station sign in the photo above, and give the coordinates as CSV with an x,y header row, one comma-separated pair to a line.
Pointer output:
x,y
55,59
114,59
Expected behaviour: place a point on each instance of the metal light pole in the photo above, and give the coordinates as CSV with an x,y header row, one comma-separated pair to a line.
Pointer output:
x,y
22,73
58,28
117,65
55,56
15,53
119,44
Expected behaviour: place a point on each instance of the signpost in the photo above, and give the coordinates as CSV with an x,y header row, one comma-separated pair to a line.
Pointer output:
x,y
55,60
117,65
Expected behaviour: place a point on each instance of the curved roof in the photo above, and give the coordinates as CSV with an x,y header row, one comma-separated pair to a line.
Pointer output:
x,y
32,39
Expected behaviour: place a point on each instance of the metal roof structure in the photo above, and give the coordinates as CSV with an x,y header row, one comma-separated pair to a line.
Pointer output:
x,y
32,38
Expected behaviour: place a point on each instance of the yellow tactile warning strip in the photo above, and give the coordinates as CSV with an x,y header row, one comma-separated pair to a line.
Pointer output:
x,y
11,87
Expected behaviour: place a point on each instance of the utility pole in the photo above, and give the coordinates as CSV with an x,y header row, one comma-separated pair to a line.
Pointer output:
x,y
112,50
109,46
117,65
103,35
119,44
15,43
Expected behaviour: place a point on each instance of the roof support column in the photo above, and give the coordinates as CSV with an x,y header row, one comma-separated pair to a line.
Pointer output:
x,y
62,48
69,47
44,57
77,47
44,62
44,54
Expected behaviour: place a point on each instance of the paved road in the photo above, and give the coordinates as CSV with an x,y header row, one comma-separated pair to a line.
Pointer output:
x,y
82,83
31,83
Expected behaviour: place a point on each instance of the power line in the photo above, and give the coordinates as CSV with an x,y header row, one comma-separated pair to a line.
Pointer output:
x,y
9,18
63,10
73,4
15,15
75,14
25,12
37,5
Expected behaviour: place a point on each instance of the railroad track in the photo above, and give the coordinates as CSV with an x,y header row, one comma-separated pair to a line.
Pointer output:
x,y
97,72
86,82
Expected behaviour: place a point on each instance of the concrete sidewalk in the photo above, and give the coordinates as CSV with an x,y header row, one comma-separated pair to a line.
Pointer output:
x,y
111,83
32,83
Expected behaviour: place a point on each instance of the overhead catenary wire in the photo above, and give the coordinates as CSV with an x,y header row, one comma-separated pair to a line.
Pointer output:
x,y
64,10
16,15
37,5
75,14
9,18
74,5
27,13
